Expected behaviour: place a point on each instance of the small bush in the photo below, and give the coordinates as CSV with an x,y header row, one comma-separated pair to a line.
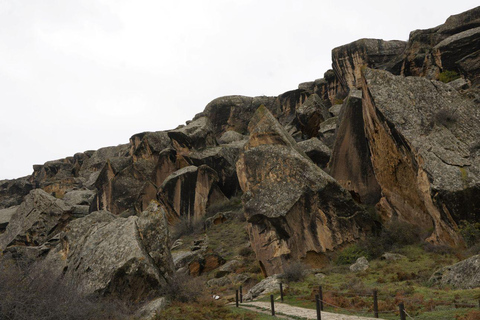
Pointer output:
x,y
184,288
246,251
447,76
445,117
294,271
37,294
186,226
394,235
470,232
350,254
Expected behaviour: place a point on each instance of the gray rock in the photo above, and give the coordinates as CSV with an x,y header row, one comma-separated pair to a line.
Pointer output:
x,y
227,268
266,286
293,208
317,151
231,136
79,197
459,84
360,265
123,257
198,134
219,282
392,256
307,86
37,219
5,216
328,125
182,259
151,309
462,275
335,109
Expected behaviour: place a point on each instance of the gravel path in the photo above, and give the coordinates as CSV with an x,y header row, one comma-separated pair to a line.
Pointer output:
x,y
303,312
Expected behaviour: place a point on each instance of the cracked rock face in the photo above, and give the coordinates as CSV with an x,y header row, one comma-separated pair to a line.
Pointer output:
x,y
108,255
416,140
294,209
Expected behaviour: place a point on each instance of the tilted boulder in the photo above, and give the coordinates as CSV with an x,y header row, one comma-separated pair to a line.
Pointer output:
x,y
317,151
293,208
5,217
36,220
462,275
348,60
112,256
416,140
13,191
452,46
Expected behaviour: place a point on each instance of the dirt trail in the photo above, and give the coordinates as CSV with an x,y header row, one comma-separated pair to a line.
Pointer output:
x,y
303,312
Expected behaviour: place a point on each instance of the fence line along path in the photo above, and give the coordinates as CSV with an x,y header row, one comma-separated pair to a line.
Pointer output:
x,y
304,312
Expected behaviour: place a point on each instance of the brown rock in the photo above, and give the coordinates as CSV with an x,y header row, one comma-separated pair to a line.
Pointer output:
x,y
292,206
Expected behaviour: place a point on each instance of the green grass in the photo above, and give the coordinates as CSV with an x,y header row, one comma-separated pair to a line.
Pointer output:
x,y
398,281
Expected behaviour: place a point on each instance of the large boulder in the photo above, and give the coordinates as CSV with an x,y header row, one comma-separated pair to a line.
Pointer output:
x,y
13,191
293,208
5,217
106,255
417,142
452,46
232,113
39,218
348,60
462,275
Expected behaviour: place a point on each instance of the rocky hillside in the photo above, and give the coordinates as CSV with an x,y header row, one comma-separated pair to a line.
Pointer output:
x,y
389,134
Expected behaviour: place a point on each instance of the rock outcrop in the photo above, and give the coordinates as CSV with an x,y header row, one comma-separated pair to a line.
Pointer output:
x,y
395,143
136,269
462,275
294,209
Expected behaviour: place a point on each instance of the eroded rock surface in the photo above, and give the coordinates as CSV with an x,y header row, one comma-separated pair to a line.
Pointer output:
x,y
108,255
294,209
462,275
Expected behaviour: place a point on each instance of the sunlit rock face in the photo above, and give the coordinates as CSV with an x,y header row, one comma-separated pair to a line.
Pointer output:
x,y
293,208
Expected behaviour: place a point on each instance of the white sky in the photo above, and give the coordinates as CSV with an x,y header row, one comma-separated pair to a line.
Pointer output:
x,y
79,75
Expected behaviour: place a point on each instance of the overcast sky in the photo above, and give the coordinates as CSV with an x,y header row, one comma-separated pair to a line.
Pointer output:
x,y
79,75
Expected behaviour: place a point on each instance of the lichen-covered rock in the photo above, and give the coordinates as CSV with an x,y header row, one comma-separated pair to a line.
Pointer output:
x,y
310,114
348,60
266,286
462,275
5,216
317,151
232,113
293,208
360,265
407,145
107,255
452,46
13,191
37,219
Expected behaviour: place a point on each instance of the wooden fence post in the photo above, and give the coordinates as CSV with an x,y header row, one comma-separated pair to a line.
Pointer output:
x,y
375,303
320,296
241,294
272,303
236,298
401,307
319,312
281,291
